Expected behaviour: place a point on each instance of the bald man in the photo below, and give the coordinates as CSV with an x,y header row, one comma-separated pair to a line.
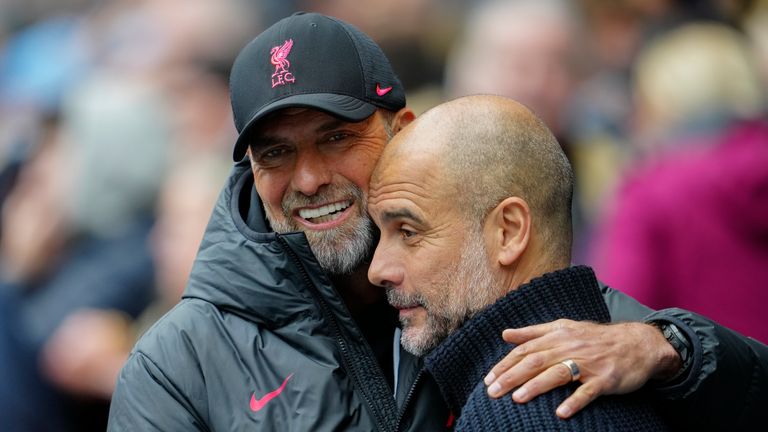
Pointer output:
x,y
480,186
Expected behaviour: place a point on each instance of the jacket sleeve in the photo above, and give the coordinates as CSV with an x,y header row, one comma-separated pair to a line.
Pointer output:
x,y
727,384
146,400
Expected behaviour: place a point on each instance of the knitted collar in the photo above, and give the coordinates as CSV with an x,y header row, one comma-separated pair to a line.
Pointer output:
x,y
463,359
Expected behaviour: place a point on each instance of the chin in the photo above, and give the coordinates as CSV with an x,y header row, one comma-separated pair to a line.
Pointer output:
x,y
417,341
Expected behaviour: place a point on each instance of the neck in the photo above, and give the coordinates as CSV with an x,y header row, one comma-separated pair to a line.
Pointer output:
x,y
529,266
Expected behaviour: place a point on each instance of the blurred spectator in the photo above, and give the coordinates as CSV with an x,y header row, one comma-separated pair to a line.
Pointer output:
x,y
86,353
75,228
32,235
756,24
95,99
412,40
414,34
202,115
41,61
599,110
153,36
119,129
532,51
689,226
599,114
526,50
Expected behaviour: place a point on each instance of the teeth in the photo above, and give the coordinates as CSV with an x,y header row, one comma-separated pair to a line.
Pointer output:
x,y
324,210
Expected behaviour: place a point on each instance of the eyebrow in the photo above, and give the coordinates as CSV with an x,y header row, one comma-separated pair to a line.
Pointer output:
x,y
389,215
330,125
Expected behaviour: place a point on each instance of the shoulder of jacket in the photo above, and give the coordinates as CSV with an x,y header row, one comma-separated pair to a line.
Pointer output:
x,y
191,323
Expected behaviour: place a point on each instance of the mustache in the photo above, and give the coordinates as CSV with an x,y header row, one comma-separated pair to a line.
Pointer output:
x,y
330,193
401,300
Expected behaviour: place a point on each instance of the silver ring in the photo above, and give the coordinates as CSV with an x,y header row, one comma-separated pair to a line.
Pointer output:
x,y
573,368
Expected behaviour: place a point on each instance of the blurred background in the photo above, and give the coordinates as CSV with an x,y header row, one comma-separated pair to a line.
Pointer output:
x,y
116,135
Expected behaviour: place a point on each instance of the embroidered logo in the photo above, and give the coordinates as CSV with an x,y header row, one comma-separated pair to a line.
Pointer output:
x,y
382,91
258,404
280,59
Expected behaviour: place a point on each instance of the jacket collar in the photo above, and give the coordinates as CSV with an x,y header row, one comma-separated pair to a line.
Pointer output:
x,y
245,268
462,360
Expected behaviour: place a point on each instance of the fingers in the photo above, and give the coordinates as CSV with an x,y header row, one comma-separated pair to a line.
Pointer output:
x,y
524,334
555,376
527,365
613,359
502,367
539,347
583,395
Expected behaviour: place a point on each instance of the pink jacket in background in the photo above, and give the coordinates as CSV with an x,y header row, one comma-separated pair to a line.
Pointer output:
x,y
691,231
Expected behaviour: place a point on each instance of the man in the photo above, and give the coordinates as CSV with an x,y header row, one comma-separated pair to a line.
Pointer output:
x,y
480,186
279,327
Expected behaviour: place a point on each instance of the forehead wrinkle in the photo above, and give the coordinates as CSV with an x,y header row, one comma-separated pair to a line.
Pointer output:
x,y
400,213
408,189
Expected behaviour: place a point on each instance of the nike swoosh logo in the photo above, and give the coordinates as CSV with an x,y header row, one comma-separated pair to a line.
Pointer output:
x,y
382,91
258,404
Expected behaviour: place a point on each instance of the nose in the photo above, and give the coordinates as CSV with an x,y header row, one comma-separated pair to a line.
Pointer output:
x,y
311,172
385,270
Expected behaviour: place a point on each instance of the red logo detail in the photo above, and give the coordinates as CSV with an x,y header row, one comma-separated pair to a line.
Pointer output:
x,y
258,404
451,419
280,59
382,91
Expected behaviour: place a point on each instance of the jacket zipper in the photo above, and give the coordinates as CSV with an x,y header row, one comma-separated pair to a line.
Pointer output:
x,y
326,310
408,398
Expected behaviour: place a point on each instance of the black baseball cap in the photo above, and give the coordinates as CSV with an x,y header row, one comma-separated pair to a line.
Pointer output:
x,y
313,61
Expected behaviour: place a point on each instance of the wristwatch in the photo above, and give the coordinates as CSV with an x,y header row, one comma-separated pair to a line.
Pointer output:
x,y
680,343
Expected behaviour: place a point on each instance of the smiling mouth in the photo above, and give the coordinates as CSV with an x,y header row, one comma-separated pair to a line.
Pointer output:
x,y
326,213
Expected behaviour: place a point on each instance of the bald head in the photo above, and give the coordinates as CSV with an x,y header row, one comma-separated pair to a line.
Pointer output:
x,y
488,148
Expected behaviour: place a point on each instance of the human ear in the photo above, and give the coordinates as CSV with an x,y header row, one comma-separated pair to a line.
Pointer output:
x,y
402,119
508,230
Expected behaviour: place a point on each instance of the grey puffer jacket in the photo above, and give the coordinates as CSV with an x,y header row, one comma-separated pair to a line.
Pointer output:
x,y
262,341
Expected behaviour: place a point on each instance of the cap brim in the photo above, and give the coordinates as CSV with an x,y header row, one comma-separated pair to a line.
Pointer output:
x,y
344,107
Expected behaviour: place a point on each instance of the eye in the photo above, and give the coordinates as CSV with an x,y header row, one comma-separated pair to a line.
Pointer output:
x,y
337,136
273,156
406,234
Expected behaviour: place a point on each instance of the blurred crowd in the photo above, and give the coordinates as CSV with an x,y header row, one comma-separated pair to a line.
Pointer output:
x,y
116,136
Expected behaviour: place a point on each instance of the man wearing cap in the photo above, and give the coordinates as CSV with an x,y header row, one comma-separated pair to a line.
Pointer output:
x,y
279,328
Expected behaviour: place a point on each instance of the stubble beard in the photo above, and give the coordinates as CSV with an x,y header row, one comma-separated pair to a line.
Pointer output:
x,y
340,250
463,293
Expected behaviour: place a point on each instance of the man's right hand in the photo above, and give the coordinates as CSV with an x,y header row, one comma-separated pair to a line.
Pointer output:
x,y
612,358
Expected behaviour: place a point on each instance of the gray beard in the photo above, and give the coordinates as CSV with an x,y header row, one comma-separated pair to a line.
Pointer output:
x,y
469,288
340,250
